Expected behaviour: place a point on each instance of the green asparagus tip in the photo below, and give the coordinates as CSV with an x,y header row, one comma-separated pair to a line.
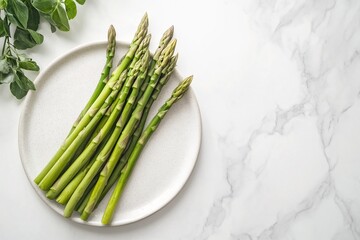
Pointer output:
x,y
168,34
144,22
165,39
182,87
145,60
171,66
144,45
173,61
168,52
111,33
171,47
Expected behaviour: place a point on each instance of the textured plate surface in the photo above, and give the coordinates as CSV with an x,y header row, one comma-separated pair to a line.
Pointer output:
x,y
162,169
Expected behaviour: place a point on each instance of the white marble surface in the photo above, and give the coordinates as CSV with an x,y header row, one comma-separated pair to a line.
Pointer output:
x,y
278,83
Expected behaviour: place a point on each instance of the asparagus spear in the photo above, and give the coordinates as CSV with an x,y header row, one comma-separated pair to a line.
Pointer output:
x,y
133,73
86,196
150,129
128,130
139,53
143,45
139,35
141,66
90,149
110,53
164,41
117,171
65,195
70,206
59,166
102,123
123,160
143,48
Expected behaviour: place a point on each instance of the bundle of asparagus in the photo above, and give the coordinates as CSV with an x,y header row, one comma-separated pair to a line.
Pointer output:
x,y
107,138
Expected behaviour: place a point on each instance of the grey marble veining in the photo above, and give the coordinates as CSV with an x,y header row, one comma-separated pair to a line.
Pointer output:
x,y
294,174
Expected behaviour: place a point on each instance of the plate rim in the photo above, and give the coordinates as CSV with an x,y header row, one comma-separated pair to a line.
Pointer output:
x,y
21,129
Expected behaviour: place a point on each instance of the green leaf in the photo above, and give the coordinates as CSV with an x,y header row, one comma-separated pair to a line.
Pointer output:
x,y
3,4
6,27
45,6
18,13
2,28
37,37
6,78
34,17
20,82
26,38
23,39
81,1
52,28
4,66
12,19
60,19
29,65
17,91
70,7
28,84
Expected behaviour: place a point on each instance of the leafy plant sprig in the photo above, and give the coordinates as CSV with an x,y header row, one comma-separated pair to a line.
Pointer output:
x,y
19,22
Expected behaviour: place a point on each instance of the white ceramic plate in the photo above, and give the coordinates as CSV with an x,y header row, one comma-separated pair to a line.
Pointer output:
x,y
162,169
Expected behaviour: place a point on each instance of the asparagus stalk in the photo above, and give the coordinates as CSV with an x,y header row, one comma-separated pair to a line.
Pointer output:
x,y
123,160
132,98
133,73
139,35
141,68
128,130
86,196
164,41
150,129
110,53
65,158
117,171
65,195
139,53
102,122
90,149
